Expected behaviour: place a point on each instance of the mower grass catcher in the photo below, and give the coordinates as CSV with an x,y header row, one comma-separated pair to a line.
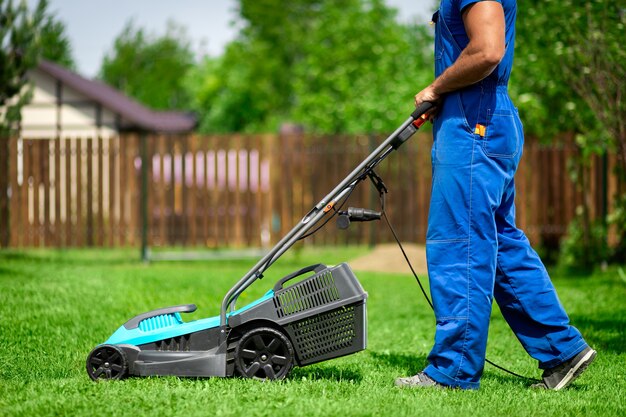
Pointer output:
x,y
312,315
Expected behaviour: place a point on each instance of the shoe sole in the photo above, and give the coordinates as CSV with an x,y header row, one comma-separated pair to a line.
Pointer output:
x,y
576,370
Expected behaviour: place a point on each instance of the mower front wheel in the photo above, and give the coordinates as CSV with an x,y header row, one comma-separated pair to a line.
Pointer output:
x,y
264,353
107,362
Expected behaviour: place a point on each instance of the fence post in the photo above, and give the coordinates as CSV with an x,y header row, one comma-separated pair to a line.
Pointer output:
x,y
143,205
4,191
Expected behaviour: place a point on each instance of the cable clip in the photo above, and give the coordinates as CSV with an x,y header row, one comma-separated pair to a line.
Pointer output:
x,y
378,182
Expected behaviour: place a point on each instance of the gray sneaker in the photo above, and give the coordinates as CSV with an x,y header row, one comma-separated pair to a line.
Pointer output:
x,y
421,380
562,375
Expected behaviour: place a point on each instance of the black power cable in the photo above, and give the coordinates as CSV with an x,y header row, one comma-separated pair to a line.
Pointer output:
x,y
419,282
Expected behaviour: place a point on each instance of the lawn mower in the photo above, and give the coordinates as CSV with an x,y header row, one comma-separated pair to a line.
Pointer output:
x,y
314,314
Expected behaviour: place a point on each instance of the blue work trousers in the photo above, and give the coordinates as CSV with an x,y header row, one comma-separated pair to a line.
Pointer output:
x,y
476,252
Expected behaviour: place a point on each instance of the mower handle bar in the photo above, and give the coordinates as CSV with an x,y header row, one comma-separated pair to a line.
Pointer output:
x,y
422,109
393,141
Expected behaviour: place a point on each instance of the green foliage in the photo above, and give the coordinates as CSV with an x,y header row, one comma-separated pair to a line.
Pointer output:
x,y
237,92
20,45
569,76
203,82
562,47
57,305
617,219
150,68
55,45
333,66
584,247
360,69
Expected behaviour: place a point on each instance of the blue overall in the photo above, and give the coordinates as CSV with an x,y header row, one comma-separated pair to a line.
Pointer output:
x,y
474,249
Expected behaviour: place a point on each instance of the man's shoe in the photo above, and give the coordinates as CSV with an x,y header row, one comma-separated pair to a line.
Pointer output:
x,y
562,375
421,380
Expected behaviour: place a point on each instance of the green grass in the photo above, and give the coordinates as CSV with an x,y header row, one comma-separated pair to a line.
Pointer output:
x,y
56,306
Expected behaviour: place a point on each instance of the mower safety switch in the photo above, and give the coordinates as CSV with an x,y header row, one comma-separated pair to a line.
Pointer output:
x,y
355,214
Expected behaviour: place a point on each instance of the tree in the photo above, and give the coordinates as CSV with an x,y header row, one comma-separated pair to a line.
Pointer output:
x,y
333,66
55,45
20,38
360,69
20,31
150,68
250,87
570,74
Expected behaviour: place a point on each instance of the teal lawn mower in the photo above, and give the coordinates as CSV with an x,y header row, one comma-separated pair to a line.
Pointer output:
x,y
314,314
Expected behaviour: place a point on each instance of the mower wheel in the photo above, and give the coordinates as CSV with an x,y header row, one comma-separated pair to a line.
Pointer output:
x,y
107,362
264,353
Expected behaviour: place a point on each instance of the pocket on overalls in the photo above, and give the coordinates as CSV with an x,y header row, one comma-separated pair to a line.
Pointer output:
x,y
501,138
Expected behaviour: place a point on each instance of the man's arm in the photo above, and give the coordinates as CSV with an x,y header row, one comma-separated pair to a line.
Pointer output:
x,y
485,27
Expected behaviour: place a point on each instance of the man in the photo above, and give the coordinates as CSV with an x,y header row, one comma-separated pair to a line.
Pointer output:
x,y
474,250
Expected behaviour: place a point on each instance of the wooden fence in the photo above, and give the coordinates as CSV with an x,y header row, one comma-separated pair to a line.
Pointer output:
x,y
215,191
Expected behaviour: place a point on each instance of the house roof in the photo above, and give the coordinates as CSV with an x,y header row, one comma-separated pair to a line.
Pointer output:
x,y
133,115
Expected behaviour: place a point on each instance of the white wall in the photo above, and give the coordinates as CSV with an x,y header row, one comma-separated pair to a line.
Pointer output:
x,y
76,116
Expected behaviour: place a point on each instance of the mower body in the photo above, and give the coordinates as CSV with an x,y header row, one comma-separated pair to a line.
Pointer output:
x,y
319,317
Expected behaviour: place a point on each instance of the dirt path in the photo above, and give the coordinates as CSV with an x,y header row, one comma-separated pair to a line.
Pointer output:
x,y
388,258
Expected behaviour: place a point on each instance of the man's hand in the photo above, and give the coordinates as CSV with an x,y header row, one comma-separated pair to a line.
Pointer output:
x,y
428,94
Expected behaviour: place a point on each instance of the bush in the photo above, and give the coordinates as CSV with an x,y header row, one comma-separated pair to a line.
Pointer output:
x,y
581,252
618,218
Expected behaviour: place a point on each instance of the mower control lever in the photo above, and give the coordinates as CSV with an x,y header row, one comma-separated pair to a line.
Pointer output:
x,y
356,215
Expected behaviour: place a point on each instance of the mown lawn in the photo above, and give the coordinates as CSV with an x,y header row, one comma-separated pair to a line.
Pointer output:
x,y
56,306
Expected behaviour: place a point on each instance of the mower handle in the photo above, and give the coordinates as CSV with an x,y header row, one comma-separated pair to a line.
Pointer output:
x,y
316,268
422,109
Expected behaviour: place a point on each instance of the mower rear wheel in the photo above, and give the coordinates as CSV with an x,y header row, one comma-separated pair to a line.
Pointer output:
x,y
264,353
107,362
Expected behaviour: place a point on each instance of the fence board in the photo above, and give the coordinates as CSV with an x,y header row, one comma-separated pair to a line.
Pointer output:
x,y
192,185
56,199
131,200
99,233
612,193
89,192
69,180
203,197
112,171
160,189
172,236
567,186
80,194
24,227
37,196
266,158
5,185
13,214
46,190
